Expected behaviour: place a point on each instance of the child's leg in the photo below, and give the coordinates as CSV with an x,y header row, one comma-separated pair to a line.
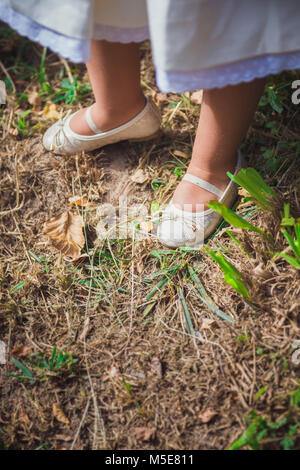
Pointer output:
x,y
114,71
226,114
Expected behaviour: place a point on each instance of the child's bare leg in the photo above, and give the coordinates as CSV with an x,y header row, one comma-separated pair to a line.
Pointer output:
x,y
114,71
226,114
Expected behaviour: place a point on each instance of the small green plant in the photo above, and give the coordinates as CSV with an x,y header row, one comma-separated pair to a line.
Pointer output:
x,y
178,171
242,338
22,123
42,77
284,430
58,362
250,179
70,91
265,197
157,183
288,224
127,386
272,98
2,446
41,260
259,191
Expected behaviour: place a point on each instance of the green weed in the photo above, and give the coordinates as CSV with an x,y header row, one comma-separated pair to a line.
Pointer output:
x,y
260,429
58,363
293,239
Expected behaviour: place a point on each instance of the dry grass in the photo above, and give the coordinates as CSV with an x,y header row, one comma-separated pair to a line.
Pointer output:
x,y
95,308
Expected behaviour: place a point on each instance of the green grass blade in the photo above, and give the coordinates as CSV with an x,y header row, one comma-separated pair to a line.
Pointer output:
x,y
293,243
238,285
23,368
260,392
225,265
215,309
293,261
17,287
158,287
247,438
188,321
53,357
162,283
231,275
251,180
232,218
198,282
148,309
233,237
35,257
204,297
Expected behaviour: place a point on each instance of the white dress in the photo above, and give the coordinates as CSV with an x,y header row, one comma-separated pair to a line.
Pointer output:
x,y
195,43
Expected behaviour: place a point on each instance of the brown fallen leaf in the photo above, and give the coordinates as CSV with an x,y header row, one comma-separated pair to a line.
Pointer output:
x,y
156,365
160,97
24,417
34,99
196,97
66,234
140,265
139,177
59,414
19,111
144,434
207,323
178,153
80,259
80,201
243,192
114,370
13,131
59,447
21,351
62,437
146,226
206,415
85,330
50,111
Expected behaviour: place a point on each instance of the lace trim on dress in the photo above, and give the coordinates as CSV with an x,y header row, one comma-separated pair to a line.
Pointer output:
x,y
76,50
230,74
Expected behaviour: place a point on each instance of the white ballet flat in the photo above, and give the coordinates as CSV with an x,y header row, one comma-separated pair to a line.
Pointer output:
x,y
60,138
184,228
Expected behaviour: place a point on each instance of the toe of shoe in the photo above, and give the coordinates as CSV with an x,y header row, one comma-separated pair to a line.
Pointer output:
x,y
174,233
48,138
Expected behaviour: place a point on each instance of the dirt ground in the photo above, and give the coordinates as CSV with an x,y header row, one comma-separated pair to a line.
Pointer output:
x,y
142,378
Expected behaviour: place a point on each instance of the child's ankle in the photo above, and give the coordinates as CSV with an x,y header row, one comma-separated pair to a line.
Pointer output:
x,y
107,119
213,172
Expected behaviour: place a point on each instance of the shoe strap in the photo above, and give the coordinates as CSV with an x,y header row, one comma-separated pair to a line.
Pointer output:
x,y
203,184
90,122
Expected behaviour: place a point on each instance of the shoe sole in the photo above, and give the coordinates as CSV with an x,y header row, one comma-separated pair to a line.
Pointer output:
x,y
156,135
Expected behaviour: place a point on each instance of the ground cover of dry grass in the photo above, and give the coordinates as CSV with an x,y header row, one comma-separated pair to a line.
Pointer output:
x,y
142,379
